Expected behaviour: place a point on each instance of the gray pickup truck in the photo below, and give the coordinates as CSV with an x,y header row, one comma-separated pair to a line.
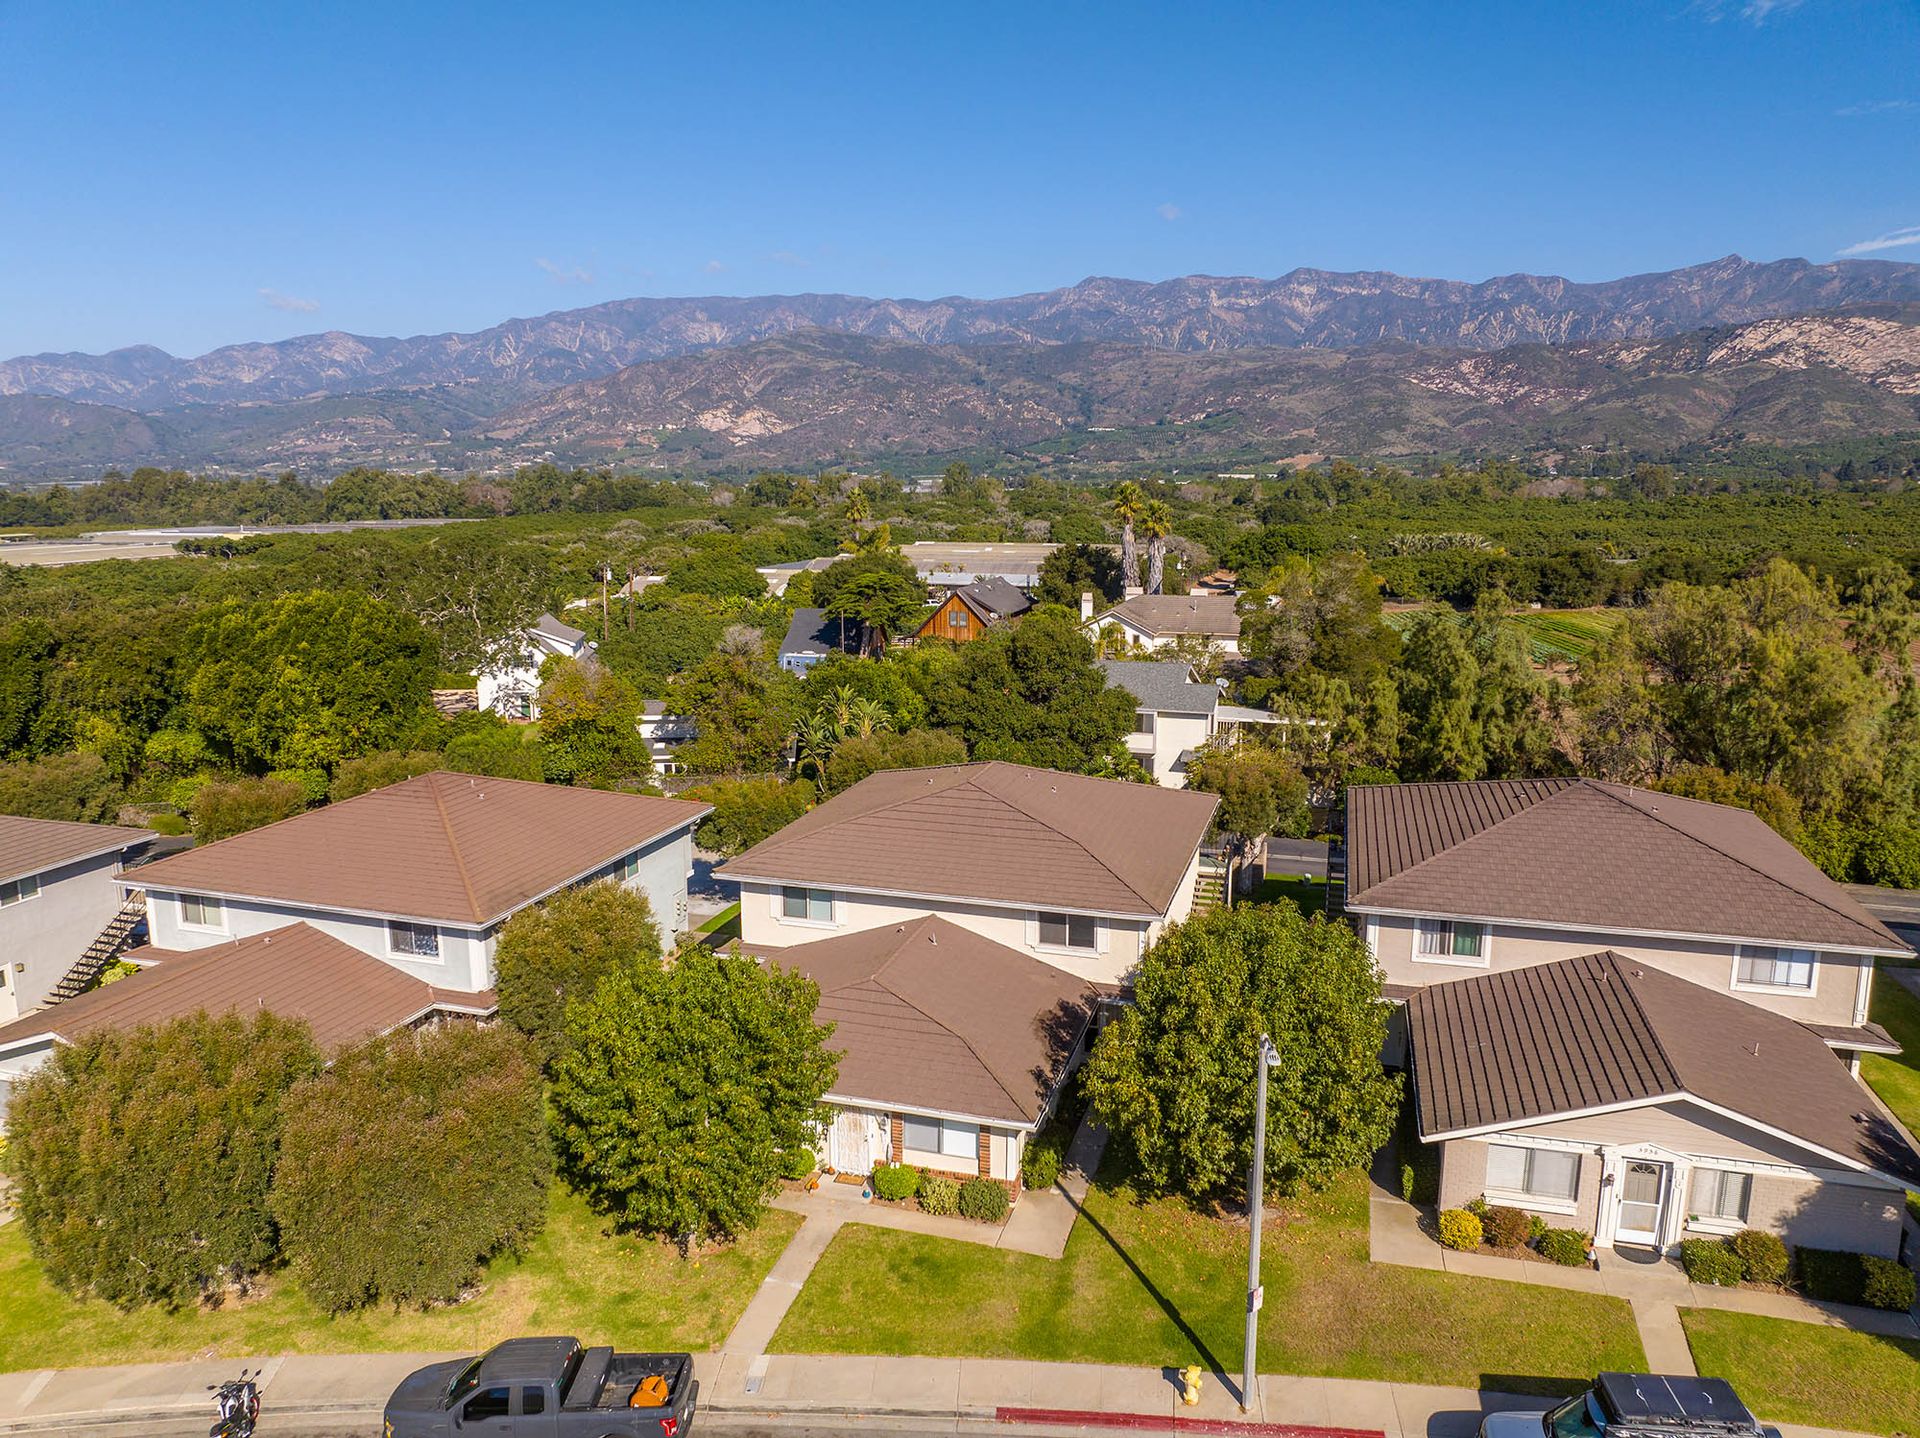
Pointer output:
x,y
1637,1405
546,1388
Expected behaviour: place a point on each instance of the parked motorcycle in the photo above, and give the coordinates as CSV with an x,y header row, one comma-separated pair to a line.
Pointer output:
x,y
238,1400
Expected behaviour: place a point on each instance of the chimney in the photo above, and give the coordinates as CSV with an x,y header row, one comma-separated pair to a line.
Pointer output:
x,y
1086,604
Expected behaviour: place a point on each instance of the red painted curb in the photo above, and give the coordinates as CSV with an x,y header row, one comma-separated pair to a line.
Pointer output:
x,y
1162,1423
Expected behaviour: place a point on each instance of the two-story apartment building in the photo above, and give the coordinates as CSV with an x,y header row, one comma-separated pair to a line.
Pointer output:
x,y
1175,715
422,874
59,891
1584,966
985,897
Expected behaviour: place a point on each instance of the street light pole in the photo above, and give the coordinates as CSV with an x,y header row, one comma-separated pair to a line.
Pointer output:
x,y
1256,1205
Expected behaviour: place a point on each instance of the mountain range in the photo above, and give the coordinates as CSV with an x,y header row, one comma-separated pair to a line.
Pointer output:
x,y
1106,371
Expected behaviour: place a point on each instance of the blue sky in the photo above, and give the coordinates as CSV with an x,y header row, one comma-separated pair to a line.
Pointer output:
x,y
202,174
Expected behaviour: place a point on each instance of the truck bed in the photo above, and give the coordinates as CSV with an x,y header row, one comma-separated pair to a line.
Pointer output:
x,y
607,1380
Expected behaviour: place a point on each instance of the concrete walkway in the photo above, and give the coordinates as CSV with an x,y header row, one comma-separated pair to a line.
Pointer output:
x,y
936,1394
1656,1291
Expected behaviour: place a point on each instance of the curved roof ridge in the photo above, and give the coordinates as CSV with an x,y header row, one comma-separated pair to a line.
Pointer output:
x,y
1651,811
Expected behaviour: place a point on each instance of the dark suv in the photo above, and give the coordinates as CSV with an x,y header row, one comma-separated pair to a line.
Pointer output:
x,y
1638,1405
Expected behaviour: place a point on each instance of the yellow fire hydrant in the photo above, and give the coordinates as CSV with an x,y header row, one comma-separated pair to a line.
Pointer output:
x,y
1191,1375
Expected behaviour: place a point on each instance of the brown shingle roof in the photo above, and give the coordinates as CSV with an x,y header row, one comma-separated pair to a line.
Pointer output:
x,y
1585,853
296,972
1526,1045
929,1015
455,847
33,846
1003,833
1170,614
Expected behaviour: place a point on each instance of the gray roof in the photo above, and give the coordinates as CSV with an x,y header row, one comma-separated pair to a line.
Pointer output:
x,y
929,1015
811,632
33,846
1001,833
1603,1031
1165,686
1589,854
1176,614
994,598
546,624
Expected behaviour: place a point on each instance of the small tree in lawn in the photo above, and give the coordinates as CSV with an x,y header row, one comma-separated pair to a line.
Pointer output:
x,y
682,1087
1261,790
560,950
1174,1074
409,1163
141,1159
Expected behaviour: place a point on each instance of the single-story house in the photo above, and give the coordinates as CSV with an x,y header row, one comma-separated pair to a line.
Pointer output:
x,y
779,576
968,612
296,972
941,563
952,1047
422,874
1158,621
1607,1094
811,637
59,897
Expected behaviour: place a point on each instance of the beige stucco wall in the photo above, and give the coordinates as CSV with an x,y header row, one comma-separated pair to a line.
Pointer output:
x,y
1681,1127
1833,999
1173,735
1120,941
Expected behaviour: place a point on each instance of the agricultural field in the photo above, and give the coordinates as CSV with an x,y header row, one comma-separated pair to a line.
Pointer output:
x,y
1566,636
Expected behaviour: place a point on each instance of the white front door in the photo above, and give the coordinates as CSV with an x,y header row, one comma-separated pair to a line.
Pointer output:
x,y
1644,1185
855,1142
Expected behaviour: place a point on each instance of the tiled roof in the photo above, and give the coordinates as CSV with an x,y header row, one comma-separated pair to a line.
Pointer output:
x,y
296,972
929,1015
1590,854
33,846
1003,833
1165,686
1175,614
1526,1045
456,847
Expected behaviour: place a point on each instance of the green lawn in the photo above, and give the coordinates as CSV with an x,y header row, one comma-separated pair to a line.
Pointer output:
x,y
1309,894
1792,1372
575,1279
1896,1079
722,929
1156,1283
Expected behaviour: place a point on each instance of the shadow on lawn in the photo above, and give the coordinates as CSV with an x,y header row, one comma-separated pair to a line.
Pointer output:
x,y
1179,1321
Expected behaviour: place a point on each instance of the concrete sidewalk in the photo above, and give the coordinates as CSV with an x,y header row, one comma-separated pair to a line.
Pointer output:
x,y
940,1394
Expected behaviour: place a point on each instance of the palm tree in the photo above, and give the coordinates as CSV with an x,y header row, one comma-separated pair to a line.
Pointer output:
x,y
1156,522
864,719
813,745
1128,505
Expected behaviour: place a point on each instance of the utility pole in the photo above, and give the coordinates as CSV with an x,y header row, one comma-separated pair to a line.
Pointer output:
x,y
1256,1205
606,574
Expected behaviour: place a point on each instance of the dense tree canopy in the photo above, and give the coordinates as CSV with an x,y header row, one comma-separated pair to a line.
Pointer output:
x,y
558,951
1032,693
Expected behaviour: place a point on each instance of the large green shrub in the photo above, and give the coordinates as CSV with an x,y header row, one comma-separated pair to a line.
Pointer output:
x,y
745,811
1763,1256
895,1182
939,1195
983,1200
142,1159
222,809
409,1163
1459,1230
560,950
1507,1227
1566,1246
1886,1284
1710,1260
1837,1277
1046,1152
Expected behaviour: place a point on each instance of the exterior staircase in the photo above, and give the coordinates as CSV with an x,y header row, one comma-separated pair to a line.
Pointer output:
x,y
113,941
1209,892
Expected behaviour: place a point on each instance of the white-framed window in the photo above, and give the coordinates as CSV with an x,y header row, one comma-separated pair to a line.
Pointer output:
x,y
944,1136
957,618
412,941
1143,721
1070,931
1544,1173
811,906
1721,1193
624,869
1450,941
18,891
1775,968
201,912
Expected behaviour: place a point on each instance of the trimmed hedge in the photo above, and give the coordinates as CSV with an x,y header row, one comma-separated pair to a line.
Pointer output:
x,y
1710,1260
939,1195
1763,1256
895,1182
984,1200
1838,1277
1565,1246
1888,1284
1040,1165
1507,1227
1460,1229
